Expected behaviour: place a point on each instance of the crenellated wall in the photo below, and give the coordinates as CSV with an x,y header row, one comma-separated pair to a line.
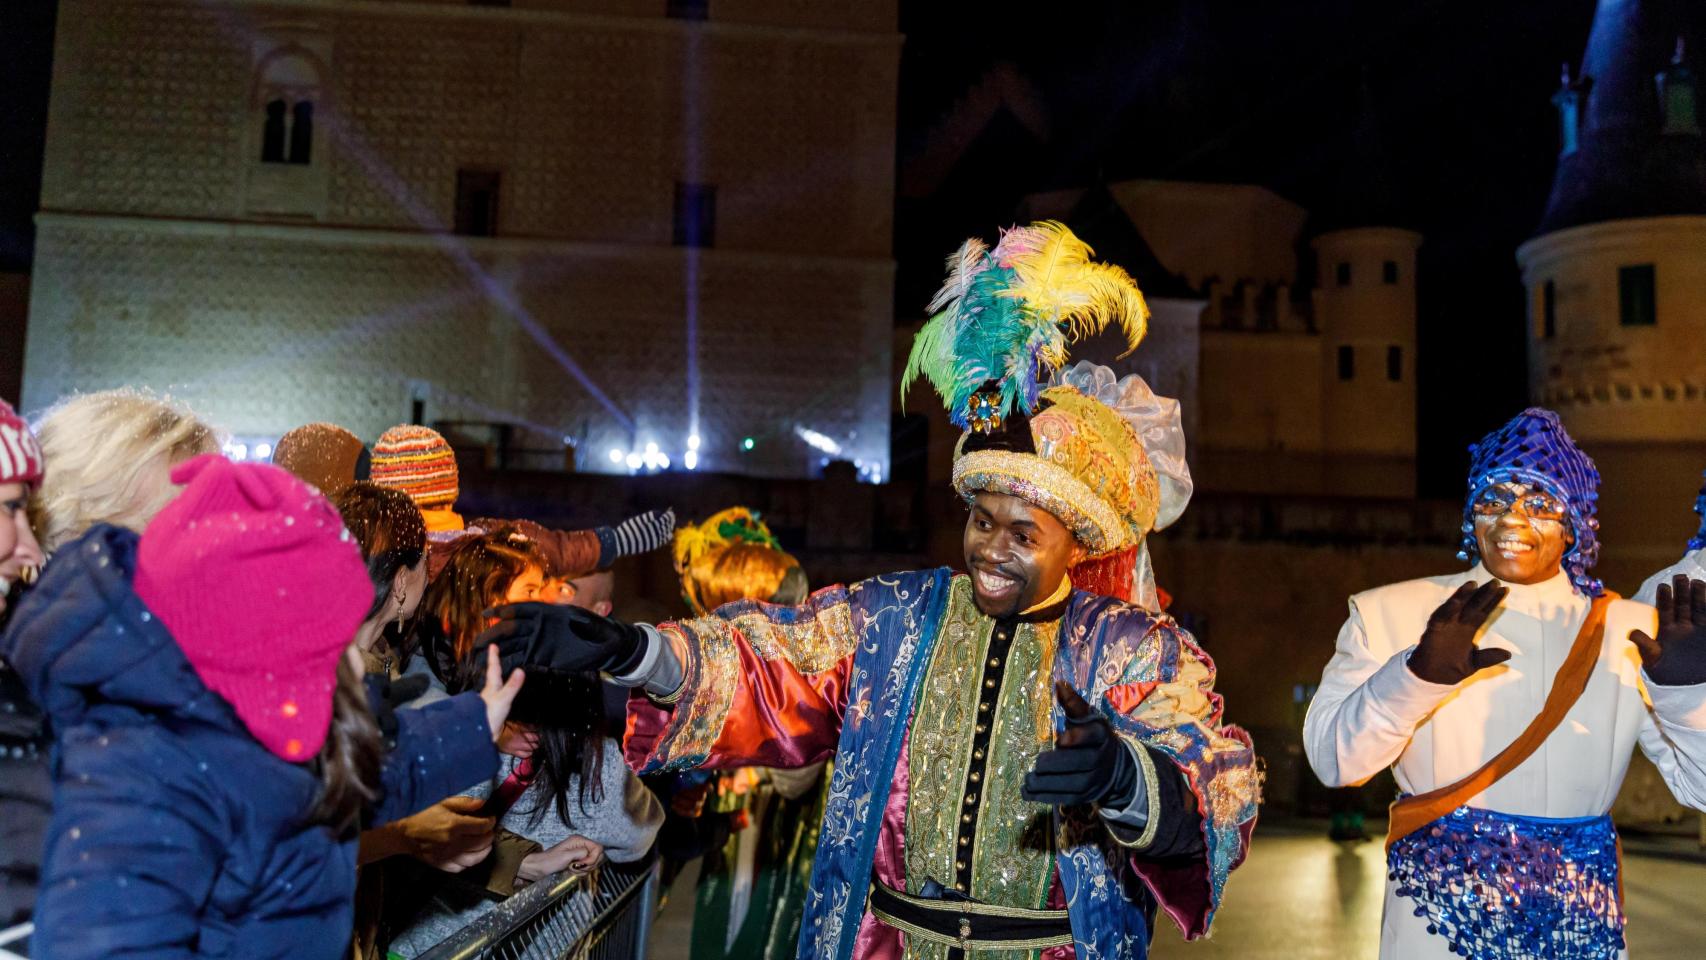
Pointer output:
x,y
1612,382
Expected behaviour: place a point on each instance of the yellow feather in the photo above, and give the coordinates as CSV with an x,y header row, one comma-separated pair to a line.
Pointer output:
x,y
1059,282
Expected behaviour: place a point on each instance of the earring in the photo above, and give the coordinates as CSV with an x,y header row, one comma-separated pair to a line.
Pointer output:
x,y
402,600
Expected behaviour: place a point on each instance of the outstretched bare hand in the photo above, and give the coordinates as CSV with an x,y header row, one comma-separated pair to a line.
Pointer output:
x,y
1447,653
1677,656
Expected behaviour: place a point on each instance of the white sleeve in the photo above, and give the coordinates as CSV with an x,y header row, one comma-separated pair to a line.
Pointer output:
x,y
1692,564
1362,716
1673,736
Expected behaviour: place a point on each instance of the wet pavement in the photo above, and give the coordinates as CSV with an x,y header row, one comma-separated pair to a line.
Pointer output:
x,y
1303,897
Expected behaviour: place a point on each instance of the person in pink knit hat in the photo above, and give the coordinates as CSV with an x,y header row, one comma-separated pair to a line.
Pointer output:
x,y
216,751
20,474
24,787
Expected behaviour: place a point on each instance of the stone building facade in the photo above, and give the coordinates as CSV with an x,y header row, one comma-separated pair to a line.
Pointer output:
x,y
602,223
1300,345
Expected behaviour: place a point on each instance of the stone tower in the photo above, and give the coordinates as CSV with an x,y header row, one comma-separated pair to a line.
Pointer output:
x,y
1616,277
1365,309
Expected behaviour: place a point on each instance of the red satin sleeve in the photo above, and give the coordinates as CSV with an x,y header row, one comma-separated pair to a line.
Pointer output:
x,y
764,686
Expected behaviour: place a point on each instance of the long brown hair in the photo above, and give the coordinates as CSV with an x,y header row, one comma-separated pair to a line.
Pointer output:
x,y
567,710
388,527
348,762
476,577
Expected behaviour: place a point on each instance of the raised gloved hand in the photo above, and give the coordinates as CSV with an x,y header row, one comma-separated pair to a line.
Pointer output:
x,y
1677,656
547,636
1447,653
385,696
638,534
1088,763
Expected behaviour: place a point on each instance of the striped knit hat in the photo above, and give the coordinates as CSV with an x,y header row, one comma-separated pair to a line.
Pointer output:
x,y
417,461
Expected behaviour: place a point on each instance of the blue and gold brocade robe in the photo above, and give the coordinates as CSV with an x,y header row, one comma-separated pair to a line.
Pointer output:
x,y
934,712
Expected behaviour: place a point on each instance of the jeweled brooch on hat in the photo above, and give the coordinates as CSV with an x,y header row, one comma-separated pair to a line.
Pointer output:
x,y
983,411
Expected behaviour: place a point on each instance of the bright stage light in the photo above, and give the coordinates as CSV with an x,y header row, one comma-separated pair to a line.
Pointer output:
x,y
691,460
693,442
634,461
748,444
616,455
818,440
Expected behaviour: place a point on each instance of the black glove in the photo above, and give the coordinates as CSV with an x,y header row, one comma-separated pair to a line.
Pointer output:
x,y
563,639
385,695
1677,656
1447,652
1088,764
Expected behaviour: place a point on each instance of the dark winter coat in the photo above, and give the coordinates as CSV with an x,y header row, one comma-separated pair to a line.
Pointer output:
x,y
24,798
174,832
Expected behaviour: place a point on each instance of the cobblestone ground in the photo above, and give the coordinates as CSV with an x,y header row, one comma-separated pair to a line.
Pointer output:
x,y
1302,897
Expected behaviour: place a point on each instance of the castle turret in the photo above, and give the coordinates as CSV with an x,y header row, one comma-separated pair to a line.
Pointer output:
x,y
1365,309
1616,281
1616,284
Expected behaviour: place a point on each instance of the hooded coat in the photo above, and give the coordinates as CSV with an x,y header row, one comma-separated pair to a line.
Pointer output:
x,y
175,833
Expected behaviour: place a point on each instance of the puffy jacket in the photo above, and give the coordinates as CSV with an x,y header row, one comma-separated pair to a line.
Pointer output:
x,y
24,798
174,832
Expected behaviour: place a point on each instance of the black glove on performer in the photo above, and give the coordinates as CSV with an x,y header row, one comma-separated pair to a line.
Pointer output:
x,y
564,639
1088,764
1677,656
1447,652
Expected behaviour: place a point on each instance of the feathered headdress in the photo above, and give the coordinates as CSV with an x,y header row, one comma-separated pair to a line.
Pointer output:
x,y
1006,315
721,530
733,556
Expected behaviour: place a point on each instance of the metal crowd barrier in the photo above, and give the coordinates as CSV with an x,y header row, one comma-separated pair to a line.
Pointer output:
x,y
606,915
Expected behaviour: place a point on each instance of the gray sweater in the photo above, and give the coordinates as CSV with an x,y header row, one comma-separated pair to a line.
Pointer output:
x,y
625,822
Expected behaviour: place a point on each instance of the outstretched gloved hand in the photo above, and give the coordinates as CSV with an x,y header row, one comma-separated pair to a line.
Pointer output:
x,y
1088,763
548,636
1447,653
1677,656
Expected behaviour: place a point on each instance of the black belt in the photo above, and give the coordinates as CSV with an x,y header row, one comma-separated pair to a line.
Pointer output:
x,y
967,924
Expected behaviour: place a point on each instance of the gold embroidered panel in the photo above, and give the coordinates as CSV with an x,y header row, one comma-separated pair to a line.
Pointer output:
x,y
1011,852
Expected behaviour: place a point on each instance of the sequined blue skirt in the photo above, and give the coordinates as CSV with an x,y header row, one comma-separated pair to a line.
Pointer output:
x,y
1498,886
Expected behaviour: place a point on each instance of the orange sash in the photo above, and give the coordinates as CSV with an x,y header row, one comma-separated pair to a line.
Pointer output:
x,y
1410,814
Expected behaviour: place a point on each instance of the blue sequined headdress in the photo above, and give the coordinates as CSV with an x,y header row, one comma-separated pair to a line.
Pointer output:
x,y
1699,539
1534,448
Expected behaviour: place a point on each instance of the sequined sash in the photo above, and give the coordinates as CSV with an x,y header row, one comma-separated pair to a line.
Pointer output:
x,y
1498,886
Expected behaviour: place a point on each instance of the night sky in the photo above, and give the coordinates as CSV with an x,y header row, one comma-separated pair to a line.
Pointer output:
x,y
1264,93
1271,94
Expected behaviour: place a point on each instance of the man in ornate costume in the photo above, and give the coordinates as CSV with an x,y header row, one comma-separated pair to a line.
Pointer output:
x,y
1021,768
1502,847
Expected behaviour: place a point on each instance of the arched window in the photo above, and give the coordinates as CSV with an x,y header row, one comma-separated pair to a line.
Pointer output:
x,y
302,132
272,133
287,88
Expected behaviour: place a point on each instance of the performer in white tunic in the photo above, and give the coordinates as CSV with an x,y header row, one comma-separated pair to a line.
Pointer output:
x,y
1502,853
1692,564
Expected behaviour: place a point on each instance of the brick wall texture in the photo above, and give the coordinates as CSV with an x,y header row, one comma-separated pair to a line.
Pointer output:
x,y
154,268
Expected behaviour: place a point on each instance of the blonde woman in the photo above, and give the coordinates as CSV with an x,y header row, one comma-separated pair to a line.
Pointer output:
x,y
109,460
